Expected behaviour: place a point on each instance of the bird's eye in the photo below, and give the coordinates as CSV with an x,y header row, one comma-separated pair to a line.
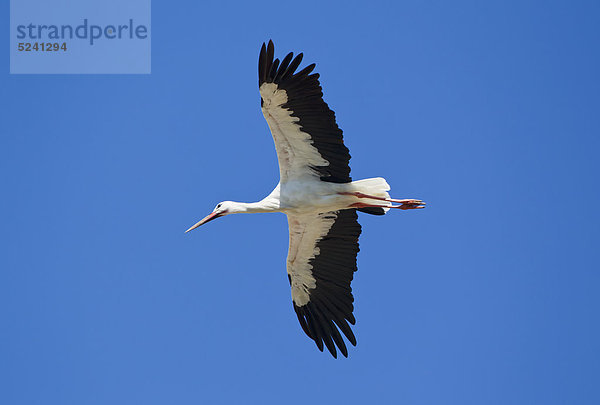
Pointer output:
x,y
218,205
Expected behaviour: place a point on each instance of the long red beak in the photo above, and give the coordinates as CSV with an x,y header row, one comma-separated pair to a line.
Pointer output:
x,y
204,220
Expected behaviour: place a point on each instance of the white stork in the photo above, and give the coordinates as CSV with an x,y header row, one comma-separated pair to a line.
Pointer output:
x,y
318,196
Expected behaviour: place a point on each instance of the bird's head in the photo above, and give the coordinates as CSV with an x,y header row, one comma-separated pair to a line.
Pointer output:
x,y
222,209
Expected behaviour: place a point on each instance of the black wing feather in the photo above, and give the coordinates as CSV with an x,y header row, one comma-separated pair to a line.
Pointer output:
x,y
305,100
330,306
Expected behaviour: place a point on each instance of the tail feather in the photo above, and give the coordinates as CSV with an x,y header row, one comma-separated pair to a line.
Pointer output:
x,y
376,186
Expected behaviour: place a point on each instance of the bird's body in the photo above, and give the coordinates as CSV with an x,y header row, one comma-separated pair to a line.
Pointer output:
x,y
299,197
318,196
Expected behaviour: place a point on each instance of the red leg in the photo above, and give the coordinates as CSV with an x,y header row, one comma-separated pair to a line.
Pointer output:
x,y
407,204
410,206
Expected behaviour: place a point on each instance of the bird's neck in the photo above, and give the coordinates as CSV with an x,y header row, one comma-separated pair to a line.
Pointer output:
x,y
255,207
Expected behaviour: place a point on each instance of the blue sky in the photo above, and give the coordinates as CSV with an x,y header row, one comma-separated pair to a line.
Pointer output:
x,y
489,112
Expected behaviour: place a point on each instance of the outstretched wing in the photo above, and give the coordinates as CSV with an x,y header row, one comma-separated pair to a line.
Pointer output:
x,y
307,138
321,264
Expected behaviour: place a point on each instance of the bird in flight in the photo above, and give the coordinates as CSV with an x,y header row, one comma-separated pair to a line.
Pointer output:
x,y
318,196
